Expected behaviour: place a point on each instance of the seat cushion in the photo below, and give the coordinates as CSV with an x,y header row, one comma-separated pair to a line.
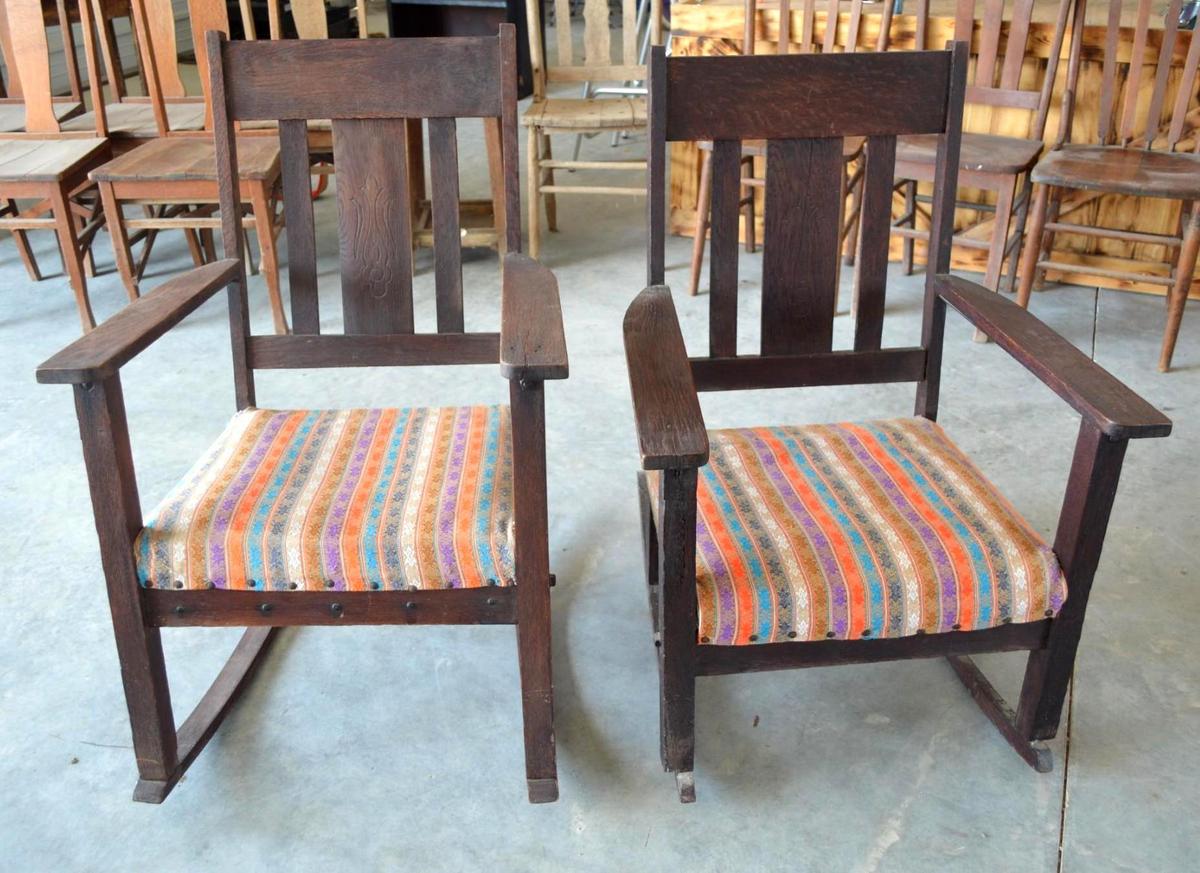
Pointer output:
x,y
1137,172
350,500
587,113
846,531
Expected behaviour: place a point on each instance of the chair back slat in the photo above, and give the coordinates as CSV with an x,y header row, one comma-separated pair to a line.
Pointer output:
x,y
807,25
989,37
801,227
1108,87
749,26
371,90
298,225
723,263
443,165
1133,81
870,275
562,32
1162,75
1014,49
629,32
785,27
29,64
731,99
374,224
832,22
597,36
310,18
206,15
1183,97
884,39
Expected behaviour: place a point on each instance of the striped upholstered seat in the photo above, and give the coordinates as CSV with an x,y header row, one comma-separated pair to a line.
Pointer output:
x,y
362,499
846,531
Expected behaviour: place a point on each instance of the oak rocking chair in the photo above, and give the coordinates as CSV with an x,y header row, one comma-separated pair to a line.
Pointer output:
x,y
328,517
777,547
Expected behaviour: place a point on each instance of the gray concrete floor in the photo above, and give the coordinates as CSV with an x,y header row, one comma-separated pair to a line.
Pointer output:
x,y
367,749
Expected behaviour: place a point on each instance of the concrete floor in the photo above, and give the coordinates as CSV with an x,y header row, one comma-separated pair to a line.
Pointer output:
x,y
368,749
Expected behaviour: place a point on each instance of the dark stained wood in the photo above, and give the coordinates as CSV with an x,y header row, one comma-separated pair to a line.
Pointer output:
x,y
726,170
670,426
374,225
1082,523
1090,389
801,371
447,253
532,342
871,258
385,350
298,223
739,98
219,608
801,230
720,660
1000,714
113,485
508,139
656,166
531,553
407,78
102,352
202,723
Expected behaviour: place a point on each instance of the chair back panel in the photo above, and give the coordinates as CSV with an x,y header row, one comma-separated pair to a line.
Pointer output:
x,y
1001,44
731,99
28,59
603,59
369,88
1126,117
154,23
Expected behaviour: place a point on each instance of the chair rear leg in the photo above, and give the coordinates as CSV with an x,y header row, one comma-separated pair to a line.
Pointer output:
x,y
1033,245
1017,238
114,220
910,209
1184,268
22,241
537,693
703,204
264,224
1000,713
548,179
996,251
68,242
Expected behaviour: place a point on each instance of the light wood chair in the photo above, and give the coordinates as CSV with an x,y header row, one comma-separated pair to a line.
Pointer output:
x,y
550,114
12,103
997,163
174,177
45,163
753,151
1139,153
788,546
491,566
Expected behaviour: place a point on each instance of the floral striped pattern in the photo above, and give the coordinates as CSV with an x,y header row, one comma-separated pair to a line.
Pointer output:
x,y
351,500
849,531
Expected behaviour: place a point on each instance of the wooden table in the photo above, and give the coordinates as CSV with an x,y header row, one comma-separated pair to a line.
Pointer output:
x,y
714,27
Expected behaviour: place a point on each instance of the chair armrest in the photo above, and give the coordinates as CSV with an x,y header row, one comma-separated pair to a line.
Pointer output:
x,y
532,343
1116,410
101,352
670,426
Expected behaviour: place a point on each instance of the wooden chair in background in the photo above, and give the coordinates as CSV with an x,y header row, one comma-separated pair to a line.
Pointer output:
x,y
12,103
548,115
1139,153
491,566
779,547
752,151
175,178
998,163
45,163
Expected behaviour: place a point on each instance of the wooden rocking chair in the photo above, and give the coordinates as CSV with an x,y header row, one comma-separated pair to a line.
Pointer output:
x,y
777,547
446,523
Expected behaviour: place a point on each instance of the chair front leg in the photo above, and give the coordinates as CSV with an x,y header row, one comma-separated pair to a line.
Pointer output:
x,y
533,587
1091,487
678,626
109,462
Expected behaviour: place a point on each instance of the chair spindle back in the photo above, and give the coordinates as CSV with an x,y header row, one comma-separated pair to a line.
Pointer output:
x,y
601,60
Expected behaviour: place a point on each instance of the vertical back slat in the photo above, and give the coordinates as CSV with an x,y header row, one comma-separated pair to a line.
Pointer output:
x,y
562,32
964,20
785,27
885,28
989,43
807,14
597,36
1108,87
855,23
310,19
206,15
656,166
1183,98
1014,49
374,226
800,244
870,277
629,34
447,242
508,138
30,59
160,23
749,25
298,224
922,35
723,248
1133,82
1167,49
832,12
